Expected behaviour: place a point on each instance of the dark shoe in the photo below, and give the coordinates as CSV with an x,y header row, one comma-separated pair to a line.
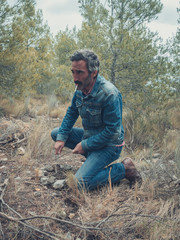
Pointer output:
x,y
131,172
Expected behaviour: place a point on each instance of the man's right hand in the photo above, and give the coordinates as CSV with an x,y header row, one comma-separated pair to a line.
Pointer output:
x,y
59,146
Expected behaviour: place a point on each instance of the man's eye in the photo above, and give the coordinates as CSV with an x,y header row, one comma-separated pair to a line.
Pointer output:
x,y
77,72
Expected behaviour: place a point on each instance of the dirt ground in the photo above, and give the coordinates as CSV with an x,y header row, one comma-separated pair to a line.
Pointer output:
x,y
31,210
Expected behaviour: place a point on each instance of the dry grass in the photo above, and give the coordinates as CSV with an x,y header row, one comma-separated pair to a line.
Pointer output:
x,y
112,212
9,107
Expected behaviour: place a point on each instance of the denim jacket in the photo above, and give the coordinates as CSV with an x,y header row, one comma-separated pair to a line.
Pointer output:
x,y
101,113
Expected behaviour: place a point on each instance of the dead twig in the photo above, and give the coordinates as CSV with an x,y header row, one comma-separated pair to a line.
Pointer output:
x,y
112,214
2,200
1,231
47,234
87,228
19,141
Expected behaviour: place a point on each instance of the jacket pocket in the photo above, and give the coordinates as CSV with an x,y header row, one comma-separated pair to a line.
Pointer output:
x,y
79,106
94,117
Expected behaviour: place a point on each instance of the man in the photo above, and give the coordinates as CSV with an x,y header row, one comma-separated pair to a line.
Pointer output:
x,y
99,103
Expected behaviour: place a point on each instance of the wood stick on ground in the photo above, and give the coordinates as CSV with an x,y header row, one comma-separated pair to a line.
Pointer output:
x,y
48,234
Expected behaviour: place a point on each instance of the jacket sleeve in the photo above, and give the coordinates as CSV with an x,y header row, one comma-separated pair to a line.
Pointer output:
x,y
112,119
68,121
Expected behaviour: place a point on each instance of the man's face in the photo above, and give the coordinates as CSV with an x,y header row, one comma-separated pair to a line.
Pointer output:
x,y
82,77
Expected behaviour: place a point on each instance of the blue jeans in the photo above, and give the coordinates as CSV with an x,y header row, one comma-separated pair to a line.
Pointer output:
x,y
95,171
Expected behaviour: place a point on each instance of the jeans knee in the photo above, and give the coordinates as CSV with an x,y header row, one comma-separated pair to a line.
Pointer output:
x,y
83,182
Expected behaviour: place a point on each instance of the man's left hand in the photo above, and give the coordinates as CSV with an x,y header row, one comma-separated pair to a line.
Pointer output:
x,y
78,149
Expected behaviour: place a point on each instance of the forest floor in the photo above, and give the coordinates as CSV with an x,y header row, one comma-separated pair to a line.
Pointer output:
x,y
30,209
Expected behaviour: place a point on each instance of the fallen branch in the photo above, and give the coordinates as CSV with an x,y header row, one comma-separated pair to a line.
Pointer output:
x,y
19,141
87,228
47,234
1,231
7,141
147,216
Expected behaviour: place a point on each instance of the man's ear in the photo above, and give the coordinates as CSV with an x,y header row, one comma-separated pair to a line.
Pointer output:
x,y
94,74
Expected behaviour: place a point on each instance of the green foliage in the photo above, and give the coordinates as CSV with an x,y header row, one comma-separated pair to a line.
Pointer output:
x,y
65,83
64,46
134,59
173,47
25,49
131,56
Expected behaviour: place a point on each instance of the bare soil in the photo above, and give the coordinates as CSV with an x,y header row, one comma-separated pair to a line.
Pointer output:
x,y
31,210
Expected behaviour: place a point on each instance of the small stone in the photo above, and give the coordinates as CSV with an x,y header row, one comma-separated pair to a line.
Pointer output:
x,y
2,168
21,151
44,180
69,236
37,194
177,182
55,194
67,168
4,159
51,180
48,168
17,179
59,184
42,172
61,214
156,155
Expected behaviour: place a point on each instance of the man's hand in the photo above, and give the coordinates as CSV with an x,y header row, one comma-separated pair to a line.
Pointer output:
x,y
59,146
78,149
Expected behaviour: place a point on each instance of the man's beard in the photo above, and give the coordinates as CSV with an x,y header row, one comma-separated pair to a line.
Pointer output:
x,y
82,85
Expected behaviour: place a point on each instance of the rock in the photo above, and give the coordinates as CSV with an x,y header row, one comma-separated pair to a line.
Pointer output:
x,y
66,168
18,179
55,194
2,168
44,180
69,236
47,180
51,180
156,155
59,184
61,214
21,151
48,168
42,172
4,159
37,194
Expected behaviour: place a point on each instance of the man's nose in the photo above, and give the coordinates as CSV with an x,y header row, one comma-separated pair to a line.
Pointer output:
x,y
75,76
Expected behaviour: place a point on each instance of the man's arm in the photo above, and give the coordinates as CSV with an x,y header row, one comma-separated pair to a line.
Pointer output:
x,y
68,121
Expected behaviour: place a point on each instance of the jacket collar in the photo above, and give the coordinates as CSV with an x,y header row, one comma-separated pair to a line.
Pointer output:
x,y
96,86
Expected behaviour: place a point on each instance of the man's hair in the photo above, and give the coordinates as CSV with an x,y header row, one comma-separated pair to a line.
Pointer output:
x,y
89,57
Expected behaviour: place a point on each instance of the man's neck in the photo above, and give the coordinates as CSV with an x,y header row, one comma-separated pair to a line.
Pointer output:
x,y
88,90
